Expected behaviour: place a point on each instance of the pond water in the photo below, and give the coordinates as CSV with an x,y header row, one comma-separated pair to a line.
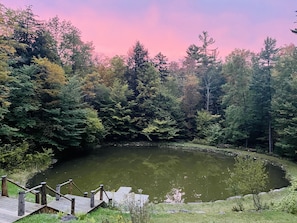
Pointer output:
x,y
163,174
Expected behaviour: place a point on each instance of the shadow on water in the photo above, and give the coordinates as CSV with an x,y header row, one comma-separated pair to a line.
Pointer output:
x,y
164,174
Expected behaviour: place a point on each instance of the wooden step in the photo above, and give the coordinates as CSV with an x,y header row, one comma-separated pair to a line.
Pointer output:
x,y
9,209
124,190
82,204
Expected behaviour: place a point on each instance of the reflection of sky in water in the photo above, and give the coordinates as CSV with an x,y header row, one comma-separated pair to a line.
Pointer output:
x,y
163,174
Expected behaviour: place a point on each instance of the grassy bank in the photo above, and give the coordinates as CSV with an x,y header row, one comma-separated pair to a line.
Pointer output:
x,y
218,211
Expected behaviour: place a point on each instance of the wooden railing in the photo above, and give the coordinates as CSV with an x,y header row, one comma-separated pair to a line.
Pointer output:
x,y
93,192
4,191
72,200
70,187
40,192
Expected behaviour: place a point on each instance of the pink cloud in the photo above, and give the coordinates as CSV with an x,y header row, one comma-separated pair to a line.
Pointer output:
x,y
168,28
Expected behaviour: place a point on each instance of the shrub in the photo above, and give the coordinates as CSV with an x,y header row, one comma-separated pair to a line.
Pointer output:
x,y
249,176
18,156
289,202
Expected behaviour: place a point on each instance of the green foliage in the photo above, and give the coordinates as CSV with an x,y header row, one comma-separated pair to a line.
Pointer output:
x,y
94,127
236,128
49,79
139,213
24,102
161,129
68,119
248,176
19,156
141,97
237,70
190,103
284,103
209,130
289,202
207,68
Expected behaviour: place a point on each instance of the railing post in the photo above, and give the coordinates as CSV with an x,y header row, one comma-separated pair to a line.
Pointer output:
x,y
72,206
43,193
58,190
70,186
85,194
92,198
4,191
37,197
21,205
101,192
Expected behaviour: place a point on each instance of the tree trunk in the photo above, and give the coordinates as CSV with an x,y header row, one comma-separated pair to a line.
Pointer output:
x,y
270,137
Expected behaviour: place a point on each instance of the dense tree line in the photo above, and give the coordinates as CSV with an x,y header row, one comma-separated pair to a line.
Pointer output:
x,y
55,94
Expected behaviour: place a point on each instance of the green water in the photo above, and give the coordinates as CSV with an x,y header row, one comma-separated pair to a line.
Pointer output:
x,y
160,173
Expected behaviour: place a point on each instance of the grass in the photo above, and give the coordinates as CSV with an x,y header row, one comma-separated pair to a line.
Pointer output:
x,y
212,212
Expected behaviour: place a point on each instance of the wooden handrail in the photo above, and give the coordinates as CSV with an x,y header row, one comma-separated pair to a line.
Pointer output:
x,y
43,186
71,183
21,198
54,191
4,191
32,189
72,200
93,192
78,188
65,183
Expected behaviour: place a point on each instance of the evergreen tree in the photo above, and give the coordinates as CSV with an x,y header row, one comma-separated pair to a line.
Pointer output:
x,y
68,118
148,83
207,68
160,61
137,64
118,118
25,33
261,91
74,54
284,104
48,80
24,103
238,71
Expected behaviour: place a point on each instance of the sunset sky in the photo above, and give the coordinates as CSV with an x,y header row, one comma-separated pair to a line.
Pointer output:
x,y
171,26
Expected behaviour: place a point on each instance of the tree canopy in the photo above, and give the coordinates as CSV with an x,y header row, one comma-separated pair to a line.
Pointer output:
x,y
55,93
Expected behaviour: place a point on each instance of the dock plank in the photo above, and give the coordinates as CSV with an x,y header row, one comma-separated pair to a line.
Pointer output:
x,y
9,209
123,196
82,204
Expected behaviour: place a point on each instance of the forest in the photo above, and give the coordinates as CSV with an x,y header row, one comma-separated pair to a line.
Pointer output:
x,y
58,97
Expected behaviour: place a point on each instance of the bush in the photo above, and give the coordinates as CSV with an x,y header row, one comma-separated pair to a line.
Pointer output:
x,y
18,156
249,176
139,212
289,202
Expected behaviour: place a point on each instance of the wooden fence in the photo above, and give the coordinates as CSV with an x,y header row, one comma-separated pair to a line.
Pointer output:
x,y
40,192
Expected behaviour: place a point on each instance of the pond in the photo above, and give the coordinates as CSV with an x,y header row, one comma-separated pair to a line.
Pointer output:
x,y
161,173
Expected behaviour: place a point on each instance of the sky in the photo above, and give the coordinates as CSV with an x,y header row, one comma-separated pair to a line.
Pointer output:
x,y
171,26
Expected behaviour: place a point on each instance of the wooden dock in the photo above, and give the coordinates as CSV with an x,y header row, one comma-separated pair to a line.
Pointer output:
x,y
13,209
123,197
82,204
9,209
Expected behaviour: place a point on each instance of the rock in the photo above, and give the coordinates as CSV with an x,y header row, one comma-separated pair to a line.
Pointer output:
x,y
234,197
184,211
68,217
218,201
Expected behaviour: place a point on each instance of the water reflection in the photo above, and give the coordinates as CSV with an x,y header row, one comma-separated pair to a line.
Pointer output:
x,y
175,196
163,174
